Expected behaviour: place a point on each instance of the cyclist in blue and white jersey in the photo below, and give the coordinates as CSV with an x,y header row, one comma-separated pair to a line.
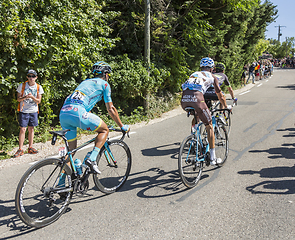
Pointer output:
x,y
193,96
77,106
222,79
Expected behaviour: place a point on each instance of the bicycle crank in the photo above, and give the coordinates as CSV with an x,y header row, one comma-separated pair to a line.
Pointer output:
x,y
81,187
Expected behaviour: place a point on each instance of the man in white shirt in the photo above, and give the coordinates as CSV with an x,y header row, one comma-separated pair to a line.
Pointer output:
x,y
29,96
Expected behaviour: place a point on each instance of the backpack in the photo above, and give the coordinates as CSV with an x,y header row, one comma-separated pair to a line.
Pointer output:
x,y
22,93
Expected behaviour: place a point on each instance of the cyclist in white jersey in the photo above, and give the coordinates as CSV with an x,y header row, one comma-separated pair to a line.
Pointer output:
x,y
193,96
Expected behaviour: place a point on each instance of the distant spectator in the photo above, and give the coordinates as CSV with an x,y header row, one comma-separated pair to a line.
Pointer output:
x,y
262,71
29,96
257,70
251,73
244,75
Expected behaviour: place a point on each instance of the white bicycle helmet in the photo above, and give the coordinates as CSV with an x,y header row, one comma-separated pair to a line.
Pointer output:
x,y
207,62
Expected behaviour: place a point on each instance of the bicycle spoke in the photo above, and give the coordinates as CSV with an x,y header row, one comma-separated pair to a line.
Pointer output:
x,y
37,201
190,169
114,162
221,143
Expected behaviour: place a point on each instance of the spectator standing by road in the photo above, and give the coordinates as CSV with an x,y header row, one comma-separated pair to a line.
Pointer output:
x,y
262,71
29,96
251,73
257,69
244,75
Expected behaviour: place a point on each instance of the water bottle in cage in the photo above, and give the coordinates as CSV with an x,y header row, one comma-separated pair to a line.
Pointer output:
x,y
78,165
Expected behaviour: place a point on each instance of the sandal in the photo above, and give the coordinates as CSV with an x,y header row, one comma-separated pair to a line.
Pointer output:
x,y
32,150
18,153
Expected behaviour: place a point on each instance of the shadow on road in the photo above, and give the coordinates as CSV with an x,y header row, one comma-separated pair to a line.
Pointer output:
x,y
155,182
159,183
290,130
164,150
291,87
271,186
287,150
9,218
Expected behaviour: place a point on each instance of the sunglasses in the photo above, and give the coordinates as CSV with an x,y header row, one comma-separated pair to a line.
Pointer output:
x,y
31,76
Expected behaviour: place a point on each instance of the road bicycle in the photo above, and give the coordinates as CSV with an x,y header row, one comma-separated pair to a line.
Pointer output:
x,y
194,150
40,200
225,116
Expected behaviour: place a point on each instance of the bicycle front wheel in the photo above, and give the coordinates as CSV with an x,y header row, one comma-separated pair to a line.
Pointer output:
x,y
190,170
114,162
37,200
221,143
227,121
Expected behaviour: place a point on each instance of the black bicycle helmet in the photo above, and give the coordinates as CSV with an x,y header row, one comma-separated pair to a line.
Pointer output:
x,y
220,66
101,67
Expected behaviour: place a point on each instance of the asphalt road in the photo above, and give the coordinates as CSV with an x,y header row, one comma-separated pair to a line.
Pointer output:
x,y
250,197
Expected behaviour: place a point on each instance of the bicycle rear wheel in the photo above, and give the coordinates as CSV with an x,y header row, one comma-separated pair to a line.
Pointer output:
x,y
37,200
190,170
221,143
114,164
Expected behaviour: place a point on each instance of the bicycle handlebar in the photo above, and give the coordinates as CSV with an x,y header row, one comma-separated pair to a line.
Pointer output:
x,y
111,128
235,102
220,110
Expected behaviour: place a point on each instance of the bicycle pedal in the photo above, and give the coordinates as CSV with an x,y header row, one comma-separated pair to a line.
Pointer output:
x,y
207,159
63,196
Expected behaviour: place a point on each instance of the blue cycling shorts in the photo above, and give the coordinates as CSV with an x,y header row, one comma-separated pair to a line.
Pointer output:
x,y
73,116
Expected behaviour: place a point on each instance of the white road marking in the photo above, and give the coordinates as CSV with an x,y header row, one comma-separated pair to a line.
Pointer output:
x,y
244,92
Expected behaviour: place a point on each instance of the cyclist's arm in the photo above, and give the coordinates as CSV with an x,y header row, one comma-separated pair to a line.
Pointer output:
x,y
114,113
227,83
231,92
218,92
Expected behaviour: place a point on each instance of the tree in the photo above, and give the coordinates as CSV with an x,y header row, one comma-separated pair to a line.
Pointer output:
x,y
59,39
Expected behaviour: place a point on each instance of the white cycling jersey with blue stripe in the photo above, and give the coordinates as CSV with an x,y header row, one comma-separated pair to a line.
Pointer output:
x,y
199,82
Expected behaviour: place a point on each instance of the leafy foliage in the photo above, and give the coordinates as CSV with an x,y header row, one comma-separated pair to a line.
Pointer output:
x,y
281,50
62,39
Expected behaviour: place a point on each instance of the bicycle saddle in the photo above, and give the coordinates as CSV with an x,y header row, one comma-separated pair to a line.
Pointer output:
x,y
190,111
60,133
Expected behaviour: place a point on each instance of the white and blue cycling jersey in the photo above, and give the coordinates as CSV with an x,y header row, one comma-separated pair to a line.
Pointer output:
x,y
199,82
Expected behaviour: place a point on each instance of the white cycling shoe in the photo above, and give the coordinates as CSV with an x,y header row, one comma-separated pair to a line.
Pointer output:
x,y
215,161
93,166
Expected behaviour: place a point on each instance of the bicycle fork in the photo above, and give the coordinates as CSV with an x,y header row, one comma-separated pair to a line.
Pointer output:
x,y
109,156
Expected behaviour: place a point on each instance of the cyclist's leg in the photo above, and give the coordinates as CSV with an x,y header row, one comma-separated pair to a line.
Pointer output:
x,y
211,139
69,119
210,132
206,118
102,135
66,118
188,100
92,122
